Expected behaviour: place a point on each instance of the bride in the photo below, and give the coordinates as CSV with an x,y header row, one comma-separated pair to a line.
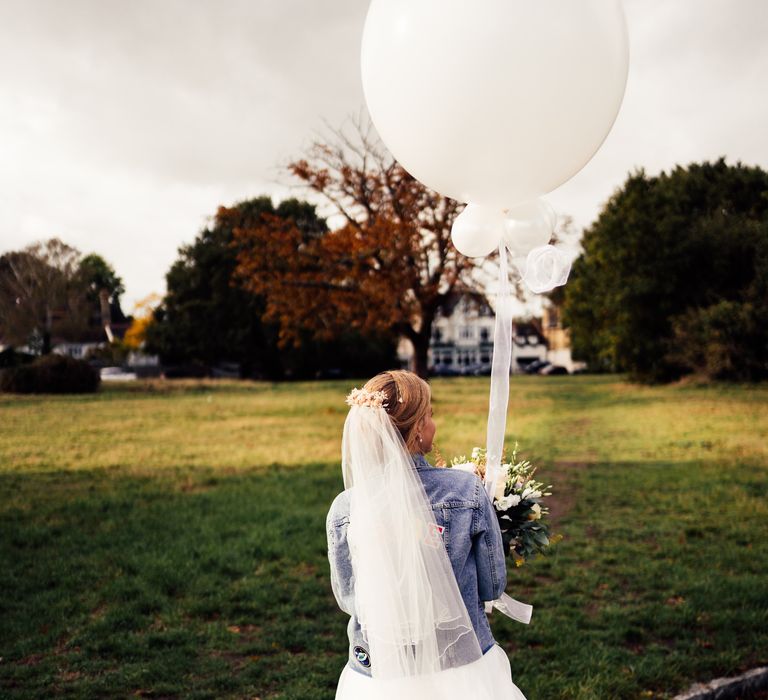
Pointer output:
x,y
415,551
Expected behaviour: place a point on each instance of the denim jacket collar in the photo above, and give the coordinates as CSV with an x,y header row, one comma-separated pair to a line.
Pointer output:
x,y
420,461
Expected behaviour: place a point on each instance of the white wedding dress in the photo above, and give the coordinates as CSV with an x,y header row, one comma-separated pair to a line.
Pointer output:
x,y
488,678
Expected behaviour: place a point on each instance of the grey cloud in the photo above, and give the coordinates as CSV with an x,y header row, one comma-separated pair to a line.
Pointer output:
x,y
124,124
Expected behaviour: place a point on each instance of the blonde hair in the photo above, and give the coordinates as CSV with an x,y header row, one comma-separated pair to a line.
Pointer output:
x,y
408,402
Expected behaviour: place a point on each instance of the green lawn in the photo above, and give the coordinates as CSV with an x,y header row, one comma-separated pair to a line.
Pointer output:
x,y
166,540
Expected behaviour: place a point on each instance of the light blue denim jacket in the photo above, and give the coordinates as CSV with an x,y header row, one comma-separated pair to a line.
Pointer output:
x,y
472,539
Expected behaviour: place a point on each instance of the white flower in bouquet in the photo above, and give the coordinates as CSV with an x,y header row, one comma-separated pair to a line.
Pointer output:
x,y
507,502
536,514
465,467
530,492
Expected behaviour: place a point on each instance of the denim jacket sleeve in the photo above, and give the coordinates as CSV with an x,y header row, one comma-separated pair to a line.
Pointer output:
x,y
489,550
342,582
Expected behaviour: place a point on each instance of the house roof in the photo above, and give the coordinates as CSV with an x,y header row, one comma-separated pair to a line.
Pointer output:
x,y
459,293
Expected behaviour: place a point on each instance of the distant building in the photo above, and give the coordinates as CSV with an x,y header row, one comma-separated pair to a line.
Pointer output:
x,y
462,335
528,344
462,339
558,339
75,349
106,324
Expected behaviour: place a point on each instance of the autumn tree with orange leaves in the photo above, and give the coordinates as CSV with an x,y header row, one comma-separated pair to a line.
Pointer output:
x,y
386,268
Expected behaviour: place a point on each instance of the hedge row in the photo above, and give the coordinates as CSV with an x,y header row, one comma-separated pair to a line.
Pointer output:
x,y
51,374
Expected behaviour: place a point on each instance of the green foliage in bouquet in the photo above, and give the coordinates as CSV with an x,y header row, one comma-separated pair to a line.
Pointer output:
x,y
521,514
518,504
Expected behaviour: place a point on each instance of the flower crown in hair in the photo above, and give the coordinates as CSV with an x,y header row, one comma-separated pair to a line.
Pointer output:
x,y
363,397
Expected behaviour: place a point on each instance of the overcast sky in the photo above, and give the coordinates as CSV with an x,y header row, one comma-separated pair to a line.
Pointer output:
x,y
123,125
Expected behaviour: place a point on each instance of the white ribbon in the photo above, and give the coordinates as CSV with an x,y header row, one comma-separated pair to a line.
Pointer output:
x,y
497,415
502,361
511,608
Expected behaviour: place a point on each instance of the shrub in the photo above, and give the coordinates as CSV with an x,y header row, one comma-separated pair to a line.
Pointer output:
x,y
51,374
728,340
13,358
112,354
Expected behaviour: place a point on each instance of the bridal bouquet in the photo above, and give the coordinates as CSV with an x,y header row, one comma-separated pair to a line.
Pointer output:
x,y
518,503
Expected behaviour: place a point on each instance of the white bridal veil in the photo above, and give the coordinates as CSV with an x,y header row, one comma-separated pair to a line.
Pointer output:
x,y
406,596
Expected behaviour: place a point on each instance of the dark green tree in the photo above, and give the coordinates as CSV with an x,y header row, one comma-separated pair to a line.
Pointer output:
x,y
207,317
647,294
98,275
204,318
102,288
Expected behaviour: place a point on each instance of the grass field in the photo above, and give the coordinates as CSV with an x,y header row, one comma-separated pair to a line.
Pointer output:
x,y
166,540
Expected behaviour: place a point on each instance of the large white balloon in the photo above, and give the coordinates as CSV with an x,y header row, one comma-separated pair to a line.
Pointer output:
x,y
494,101
477,231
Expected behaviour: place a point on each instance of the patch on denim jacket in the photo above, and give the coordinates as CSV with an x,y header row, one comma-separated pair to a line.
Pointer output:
x,y
362,657
433,535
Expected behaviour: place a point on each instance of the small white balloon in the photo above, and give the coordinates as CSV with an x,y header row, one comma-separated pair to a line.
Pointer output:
x,y
529,225
477,231
549,212
547,267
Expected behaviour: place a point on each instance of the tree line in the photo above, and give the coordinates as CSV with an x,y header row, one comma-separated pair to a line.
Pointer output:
x,y
672,278
51,288
277,290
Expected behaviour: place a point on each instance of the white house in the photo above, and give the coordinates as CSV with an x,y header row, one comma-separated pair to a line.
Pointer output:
x,y
462,335
558,339
462,339
77,350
